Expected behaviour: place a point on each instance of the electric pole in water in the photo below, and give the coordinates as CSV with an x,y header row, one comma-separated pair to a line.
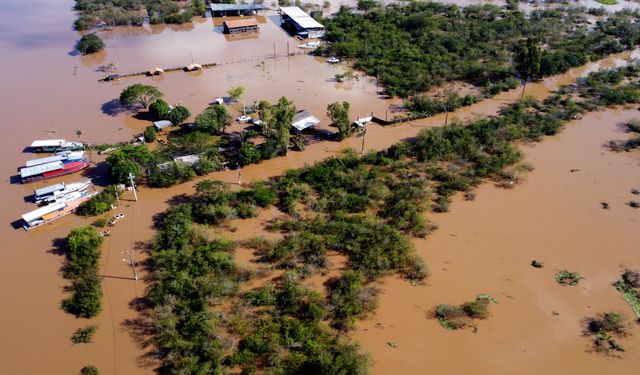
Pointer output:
x,y
133,186
133,264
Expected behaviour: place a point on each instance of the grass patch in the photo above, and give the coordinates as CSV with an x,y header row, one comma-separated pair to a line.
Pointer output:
x,y
607,2
565,277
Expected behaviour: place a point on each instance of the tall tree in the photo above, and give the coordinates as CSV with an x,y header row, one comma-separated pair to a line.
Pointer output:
x,y
236,92
527,60
339,115
213,120
281,122
140,94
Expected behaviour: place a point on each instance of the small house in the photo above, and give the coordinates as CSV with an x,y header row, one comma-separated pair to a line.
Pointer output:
x,y
304,120
155,71
240,26
159,125
193,67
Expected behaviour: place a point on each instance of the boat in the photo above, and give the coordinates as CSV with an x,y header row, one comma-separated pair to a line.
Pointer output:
x,y
51,170
47,214
53,193
55,145
65,157
310,45
333,60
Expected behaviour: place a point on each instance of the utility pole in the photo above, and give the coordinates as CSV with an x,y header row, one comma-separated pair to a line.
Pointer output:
x,y
133,186
364,134
274,50
240,176
133,265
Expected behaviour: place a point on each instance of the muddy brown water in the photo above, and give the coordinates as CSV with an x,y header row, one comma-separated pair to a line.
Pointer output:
x,y
47,89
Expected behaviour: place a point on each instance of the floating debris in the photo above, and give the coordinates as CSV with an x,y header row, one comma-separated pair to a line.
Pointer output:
x,y
392,344
537,264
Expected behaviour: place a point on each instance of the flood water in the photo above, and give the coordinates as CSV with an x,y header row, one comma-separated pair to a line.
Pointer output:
x,y
48,91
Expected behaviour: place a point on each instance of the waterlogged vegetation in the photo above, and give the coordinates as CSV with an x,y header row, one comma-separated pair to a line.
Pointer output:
x,y
364,208
82,250
565,277
90,43
604,330
192,274
462,316
99,204
629,286
132,12
633,142
416,46
84,335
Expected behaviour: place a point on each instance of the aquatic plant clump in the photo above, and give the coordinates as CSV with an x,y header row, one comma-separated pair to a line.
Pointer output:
x,y
462,316
629,286
565,277
604,329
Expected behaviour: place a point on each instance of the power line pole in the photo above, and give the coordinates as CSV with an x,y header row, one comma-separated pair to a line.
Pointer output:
x,y
133,186
133,264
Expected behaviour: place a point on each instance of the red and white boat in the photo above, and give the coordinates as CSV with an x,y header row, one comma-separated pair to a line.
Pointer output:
x,y
51,170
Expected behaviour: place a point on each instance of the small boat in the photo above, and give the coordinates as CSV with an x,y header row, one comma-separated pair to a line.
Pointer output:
x,y
55,145
54,211
310,45
59,194
333,60
51,170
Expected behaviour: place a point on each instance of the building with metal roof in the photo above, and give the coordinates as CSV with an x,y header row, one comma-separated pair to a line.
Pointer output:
x,y
300,23
159,125
224,10
304,120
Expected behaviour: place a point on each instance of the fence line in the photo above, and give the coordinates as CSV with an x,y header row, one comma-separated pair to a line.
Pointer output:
x,y
205,66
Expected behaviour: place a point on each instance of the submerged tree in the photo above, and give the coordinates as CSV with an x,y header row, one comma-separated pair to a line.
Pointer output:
x,y
339,114
527,60
281,122
213,120
140,94
90,43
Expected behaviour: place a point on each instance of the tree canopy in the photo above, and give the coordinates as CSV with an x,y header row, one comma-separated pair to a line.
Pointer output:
x,y
140,94
90,43
339,115
213,120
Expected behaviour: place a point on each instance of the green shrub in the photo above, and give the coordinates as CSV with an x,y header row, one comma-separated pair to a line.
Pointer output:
x,y
565,277
90,43
89,370
84,335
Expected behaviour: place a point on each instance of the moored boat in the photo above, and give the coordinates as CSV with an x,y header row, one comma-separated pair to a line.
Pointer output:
x,y
55,145
65,157
47,214
44,195
51,170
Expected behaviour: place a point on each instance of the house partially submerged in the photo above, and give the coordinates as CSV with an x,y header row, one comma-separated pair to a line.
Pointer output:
x,y
189,160
159,125
225,10
155,71
304,120
300,23
193,67
241,26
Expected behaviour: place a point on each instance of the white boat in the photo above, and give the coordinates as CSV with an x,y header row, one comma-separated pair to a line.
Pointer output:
x,y
47,214
63,156
56,195
54,145
310,45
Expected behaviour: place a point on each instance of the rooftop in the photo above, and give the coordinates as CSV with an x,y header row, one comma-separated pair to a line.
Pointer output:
x,y
301,18
247,22
230,7
303,120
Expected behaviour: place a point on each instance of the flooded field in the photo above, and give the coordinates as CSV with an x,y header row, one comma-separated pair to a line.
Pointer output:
x,y
486,246
48,91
